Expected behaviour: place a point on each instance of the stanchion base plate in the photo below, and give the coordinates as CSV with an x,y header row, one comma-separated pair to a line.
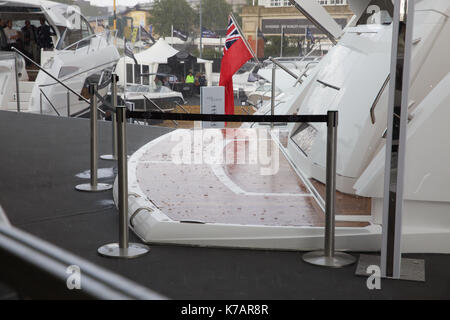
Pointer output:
x,y
113,250
108,157
339,260
88,188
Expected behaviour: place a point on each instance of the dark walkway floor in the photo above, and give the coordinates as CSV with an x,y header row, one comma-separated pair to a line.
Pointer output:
x,y
40,158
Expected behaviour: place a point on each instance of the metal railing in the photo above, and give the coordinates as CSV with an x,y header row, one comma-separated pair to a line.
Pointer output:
x,y
299,80
157,107
328,257
3,218
377,99
37,269
42,93
69,90
123,249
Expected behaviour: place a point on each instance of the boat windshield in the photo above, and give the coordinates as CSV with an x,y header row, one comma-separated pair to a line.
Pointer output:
x,y
147,89
72,39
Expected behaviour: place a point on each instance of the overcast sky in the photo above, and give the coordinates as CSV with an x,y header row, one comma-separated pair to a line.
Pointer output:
x,y
118,2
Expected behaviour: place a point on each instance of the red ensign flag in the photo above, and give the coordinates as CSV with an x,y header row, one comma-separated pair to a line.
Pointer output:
x,y
235,55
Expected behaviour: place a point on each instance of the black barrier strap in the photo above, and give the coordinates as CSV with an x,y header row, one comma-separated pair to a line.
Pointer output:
x,y
224,118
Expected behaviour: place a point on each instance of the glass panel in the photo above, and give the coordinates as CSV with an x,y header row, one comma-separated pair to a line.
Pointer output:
x,y
145,79
137,73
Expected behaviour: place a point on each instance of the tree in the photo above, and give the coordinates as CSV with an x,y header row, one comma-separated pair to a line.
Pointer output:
x,y
178,13
215,14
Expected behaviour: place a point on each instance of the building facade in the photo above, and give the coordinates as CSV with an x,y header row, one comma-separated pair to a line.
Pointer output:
x,y
236,4
286,3
274,17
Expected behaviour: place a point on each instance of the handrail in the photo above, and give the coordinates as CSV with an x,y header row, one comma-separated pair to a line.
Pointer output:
x,y
51,76
151,101
289,72
57,80
38,269
328,85
377,99
51,104
310,52
182,108
4,218
299,80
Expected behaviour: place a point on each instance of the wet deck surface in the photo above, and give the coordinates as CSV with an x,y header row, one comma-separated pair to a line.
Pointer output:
x,y
39,161
251,183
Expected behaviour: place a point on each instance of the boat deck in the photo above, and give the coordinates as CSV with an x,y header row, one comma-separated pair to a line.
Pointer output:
x,y
238,189
40,163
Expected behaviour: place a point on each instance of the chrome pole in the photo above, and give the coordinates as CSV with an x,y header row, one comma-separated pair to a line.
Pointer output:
x,y
330,204
40,102
123,249
94,186
113,156
16,69
122,176
328,257
68,104
272,98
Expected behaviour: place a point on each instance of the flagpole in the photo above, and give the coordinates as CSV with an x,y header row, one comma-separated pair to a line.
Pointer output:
x,y
243,38
282,39
201,31
140,39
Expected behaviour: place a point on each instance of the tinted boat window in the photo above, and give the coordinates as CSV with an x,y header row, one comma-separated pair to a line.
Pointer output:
x,y
72,36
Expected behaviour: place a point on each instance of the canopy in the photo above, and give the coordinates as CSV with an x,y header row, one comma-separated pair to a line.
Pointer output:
x,y
161,53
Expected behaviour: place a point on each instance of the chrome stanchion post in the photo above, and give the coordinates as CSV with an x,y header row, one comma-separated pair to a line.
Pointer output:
x,y
272,98
113,156
123,249
94,186
40,102
16,69
328,257
68,103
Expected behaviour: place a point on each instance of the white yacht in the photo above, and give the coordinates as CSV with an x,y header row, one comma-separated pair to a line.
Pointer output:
x,y
79,57
245,204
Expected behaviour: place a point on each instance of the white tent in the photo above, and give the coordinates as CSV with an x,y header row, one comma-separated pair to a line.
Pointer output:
x,y
157,54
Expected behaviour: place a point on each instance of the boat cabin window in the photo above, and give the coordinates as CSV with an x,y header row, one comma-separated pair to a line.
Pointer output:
x,y
76,38
134,74
145,79
377,12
